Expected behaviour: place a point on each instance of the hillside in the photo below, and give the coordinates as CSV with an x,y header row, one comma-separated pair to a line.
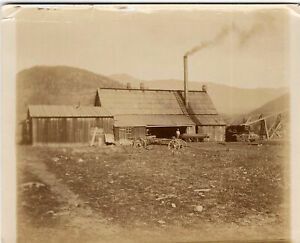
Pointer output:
x,y
228,100
58,85
278,105
281,103
126,78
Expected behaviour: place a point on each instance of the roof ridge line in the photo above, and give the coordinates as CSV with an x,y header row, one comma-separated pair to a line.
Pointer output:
x,y
138,89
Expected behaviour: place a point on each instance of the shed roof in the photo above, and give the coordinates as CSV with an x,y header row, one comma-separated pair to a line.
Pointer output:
x,y
67,111
152,120
210,120
150,102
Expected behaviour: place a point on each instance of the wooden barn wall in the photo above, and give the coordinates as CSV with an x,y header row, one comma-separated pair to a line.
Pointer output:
x,y
68,130
129,133
216,133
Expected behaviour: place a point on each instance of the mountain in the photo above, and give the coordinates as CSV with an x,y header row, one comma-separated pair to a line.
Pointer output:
x,y
278,105
126,78
58,85
227,99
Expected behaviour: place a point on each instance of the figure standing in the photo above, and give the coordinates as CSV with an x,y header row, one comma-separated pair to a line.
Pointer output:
x,y
177,133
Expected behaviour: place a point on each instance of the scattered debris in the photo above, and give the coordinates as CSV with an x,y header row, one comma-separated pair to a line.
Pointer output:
x,y
198,208
161,221
55,159
31,184
202,190
63,213
50,212
166,197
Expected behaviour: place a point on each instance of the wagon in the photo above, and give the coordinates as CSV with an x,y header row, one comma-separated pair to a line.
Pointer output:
x,y
194,137
172,143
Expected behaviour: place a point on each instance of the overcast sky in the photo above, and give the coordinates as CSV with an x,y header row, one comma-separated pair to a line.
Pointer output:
x,y
239,46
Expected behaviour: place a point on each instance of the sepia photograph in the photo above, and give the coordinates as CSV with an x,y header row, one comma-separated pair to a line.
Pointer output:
x,y
148,122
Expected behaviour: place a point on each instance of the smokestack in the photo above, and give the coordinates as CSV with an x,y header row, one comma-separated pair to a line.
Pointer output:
x,y
186,90
128,85
204,88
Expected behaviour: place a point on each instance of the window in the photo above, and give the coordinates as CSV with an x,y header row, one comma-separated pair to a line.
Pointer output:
x,y
125,133
128,132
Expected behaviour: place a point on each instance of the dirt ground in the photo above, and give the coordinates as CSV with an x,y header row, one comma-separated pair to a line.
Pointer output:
x,y
205,192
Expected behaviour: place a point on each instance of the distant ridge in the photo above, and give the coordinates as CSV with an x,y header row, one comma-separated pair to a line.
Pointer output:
x,y
279,104
275,106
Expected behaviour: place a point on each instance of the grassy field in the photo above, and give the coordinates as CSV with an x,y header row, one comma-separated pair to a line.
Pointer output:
x,y
204,184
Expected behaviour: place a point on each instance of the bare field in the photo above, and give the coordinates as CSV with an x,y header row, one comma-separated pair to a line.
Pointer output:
x,y
207,191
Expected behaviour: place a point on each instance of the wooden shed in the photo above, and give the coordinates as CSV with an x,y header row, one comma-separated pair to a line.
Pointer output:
x,y
160,113
51,124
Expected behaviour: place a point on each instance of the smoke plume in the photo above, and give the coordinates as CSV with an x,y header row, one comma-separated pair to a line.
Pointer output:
x,y
219,37
243,36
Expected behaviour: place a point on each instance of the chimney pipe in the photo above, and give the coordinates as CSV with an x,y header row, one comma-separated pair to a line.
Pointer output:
x,y
142,86
186,90
204,88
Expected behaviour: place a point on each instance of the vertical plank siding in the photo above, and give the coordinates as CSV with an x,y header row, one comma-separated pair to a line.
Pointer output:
x,y
67,130
216,133
136,132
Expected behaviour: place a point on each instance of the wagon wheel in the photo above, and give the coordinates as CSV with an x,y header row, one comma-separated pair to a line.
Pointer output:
x,y
139,143
144,142
174,144
182,143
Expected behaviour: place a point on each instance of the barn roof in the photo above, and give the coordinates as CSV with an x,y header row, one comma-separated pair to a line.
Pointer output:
x,y
210,120
150,102
152,120
67,111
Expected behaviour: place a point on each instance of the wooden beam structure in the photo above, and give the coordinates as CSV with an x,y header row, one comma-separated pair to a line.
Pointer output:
x,y
264,131
262,118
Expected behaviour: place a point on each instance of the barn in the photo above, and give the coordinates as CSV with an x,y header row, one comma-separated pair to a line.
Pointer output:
x,y
59,124
138,112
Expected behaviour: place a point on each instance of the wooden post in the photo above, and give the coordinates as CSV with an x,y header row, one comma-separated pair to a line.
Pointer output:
x,y
94,136
275,126
275,130
266,129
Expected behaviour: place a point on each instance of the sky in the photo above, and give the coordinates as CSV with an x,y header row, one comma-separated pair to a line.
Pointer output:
x,y
243,46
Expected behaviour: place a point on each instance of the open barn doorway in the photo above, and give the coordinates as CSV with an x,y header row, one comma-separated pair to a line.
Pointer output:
x,y
165,132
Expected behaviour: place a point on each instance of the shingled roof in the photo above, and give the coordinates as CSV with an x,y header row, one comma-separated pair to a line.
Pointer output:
x,y
67,111
137,101
137,105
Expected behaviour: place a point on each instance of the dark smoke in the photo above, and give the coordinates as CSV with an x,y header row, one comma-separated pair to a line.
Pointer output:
x,y
222,34
243,36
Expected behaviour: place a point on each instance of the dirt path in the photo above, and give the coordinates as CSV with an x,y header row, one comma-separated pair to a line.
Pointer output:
x,y
76,216
79,223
